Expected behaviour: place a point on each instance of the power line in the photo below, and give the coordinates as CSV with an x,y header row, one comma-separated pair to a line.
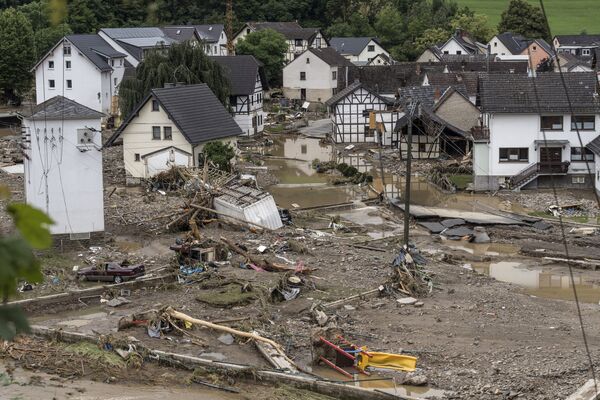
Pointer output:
x,y
562,226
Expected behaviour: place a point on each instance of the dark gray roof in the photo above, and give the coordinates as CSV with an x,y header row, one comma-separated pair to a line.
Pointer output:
x,y
209,33
330,56
386,78
492,66
428,113
129,33
514,43
594,145
545,45
136,46
578,40
179,33
350,45
465,40
291,30
425,95
468,79
95,49
60,107
516,93
350,89
195,110
241,72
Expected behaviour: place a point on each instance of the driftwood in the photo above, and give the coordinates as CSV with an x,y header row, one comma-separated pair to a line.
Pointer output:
x,y
275,357
272,345
362,295
258,261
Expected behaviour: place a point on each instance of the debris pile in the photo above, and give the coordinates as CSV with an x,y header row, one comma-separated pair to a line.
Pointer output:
x,y
10,149
408,273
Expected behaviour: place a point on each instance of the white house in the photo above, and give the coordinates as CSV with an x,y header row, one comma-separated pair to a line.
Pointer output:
x,y
298,38
213,37
313,76
578,45
350,110
63,165
248,83
170,127
529,132
361,50
594,146
83,68
135,42
460,43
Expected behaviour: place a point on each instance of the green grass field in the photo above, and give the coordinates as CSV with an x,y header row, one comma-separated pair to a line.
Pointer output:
x,y
566,16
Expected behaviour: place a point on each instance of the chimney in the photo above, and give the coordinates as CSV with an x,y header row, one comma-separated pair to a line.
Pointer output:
x,y
436,95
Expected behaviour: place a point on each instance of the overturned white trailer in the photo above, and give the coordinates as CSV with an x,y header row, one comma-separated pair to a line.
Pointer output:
x,y
248,204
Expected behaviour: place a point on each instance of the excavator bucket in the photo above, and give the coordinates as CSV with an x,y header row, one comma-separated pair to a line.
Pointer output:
x,y
399,362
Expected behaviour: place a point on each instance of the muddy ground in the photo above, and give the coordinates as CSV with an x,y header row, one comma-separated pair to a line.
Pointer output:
x,y
476,337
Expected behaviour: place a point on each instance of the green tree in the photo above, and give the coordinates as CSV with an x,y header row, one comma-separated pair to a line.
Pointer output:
x,y
523,18
220,154
183,63
386,25
430,37
357,25
16,54
46,38
81,17
476,24
18,262
268,47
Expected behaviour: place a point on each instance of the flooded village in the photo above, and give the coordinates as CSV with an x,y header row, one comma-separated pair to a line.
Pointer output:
x,y
423,229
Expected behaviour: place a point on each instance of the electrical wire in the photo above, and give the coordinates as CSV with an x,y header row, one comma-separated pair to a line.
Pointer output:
x,y
561,223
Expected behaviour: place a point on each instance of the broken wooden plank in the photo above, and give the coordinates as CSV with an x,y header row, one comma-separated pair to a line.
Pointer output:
x,y
368,293
275,357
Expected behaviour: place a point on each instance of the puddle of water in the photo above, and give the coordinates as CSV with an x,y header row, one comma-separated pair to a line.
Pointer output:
x,y
552,281
370,218
381,383
483,249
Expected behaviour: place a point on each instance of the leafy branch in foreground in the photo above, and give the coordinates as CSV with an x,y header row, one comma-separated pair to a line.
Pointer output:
x,y
18,261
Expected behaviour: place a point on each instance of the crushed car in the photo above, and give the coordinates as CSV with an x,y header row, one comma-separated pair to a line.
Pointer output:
x,y
112,272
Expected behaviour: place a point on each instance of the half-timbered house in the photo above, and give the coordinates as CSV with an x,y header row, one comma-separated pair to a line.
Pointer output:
x,y
350,111
248,82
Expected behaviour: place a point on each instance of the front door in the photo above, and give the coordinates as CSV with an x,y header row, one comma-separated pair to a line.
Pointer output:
x,y
302,94
550,158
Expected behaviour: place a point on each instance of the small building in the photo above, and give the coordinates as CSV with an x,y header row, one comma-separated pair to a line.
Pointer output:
x,y
350,111
299,39
212,36
63,165
248,83
361,50
578,45
313,76
508,44
460,43
170,127
135,42
83,68
529,130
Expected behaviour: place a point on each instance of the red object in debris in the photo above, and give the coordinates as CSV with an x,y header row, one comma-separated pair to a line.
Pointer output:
x,y
338,369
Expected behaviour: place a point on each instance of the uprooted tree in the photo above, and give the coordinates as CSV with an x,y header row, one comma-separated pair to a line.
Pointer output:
x,y
220,154
18,262
179,63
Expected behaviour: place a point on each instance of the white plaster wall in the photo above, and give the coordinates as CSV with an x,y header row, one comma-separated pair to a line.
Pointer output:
x,y
521,130
481,159
78,174
365,55
318,74
452,47
86,78
118,72
497,47
137,138
164,160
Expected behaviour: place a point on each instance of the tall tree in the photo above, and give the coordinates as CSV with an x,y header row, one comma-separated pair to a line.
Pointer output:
x,y
16,54
81,17
476,24
183,63
523,18
431,37
357,25
45,38
268,47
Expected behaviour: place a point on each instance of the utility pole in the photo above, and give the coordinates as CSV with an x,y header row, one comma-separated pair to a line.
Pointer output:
x,y
412,106
229,26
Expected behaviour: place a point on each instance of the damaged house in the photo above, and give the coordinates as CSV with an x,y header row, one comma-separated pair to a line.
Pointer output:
x,y
529,136
170,127
248,83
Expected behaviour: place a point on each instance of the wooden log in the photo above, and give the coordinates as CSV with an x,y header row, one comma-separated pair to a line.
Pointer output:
x,y
258,261
275,357
362,295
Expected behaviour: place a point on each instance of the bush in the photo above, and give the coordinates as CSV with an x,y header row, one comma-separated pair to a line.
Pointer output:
x,y
350,172
342,167
219,153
